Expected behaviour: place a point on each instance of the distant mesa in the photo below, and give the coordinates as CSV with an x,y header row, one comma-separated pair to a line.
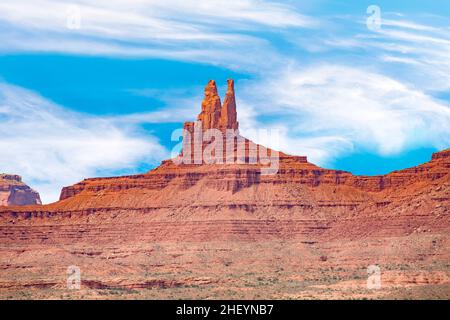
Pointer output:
x,y
13,192
221,188
230,185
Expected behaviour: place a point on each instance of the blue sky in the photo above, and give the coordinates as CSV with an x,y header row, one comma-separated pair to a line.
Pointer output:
x,y
96,89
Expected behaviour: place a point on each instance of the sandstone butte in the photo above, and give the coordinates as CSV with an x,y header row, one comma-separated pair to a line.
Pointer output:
x,y
13,192
227,231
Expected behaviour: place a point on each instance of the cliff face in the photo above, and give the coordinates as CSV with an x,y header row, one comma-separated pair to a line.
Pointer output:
x,y
13,192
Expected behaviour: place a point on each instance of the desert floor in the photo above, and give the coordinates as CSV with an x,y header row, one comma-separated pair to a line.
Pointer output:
x,y
416,266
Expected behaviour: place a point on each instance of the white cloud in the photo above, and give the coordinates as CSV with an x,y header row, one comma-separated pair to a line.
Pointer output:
x,y
326,110
52,147
420,48
214,31
180,105
425,53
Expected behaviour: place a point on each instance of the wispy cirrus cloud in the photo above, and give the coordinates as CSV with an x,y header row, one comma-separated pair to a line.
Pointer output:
x,y
216,31
52,147
329,110
406,50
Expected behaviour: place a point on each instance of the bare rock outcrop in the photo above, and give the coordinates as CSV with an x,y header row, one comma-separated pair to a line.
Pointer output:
x,y
13,192
214,115
228,116
211,107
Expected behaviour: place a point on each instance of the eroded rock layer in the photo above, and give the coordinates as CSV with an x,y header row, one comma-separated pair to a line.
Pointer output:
x,y
13,192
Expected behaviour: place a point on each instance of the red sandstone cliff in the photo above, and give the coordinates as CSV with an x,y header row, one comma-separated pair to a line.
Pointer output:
x,y
13,192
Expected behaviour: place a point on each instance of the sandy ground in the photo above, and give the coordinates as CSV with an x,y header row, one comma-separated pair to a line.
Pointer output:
x,y
416,266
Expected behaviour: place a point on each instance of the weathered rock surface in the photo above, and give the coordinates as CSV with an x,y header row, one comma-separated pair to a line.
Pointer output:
x,y
228,116
214,115
13,192
211,107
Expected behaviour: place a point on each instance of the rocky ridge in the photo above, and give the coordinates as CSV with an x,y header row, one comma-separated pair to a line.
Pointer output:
x,y
298,187
13,192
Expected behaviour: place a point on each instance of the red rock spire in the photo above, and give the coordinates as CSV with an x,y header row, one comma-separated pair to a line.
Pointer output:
x,y
228,119
210,114
217,116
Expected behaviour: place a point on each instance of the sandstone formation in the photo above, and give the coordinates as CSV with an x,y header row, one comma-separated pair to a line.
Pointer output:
x,y
228,115
13,192
217,116
211,107
226,230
